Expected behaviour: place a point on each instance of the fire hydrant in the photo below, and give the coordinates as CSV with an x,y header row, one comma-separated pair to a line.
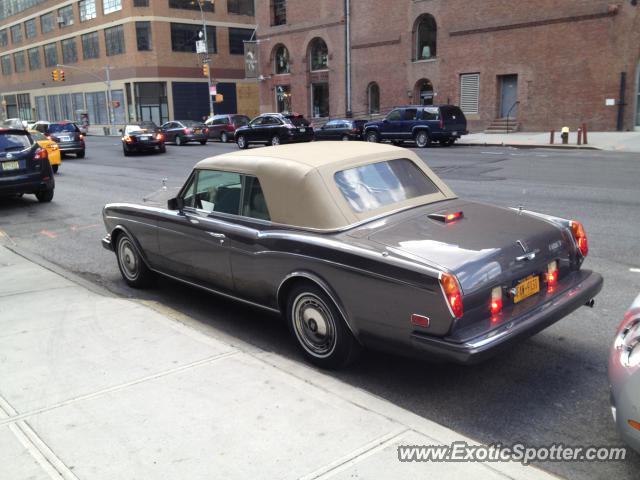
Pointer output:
x,y
565,135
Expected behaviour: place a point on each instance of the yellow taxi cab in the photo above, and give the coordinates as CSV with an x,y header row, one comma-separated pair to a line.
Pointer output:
x,y
55,158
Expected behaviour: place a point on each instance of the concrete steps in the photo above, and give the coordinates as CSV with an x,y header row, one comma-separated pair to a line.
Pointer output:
x,y
501,125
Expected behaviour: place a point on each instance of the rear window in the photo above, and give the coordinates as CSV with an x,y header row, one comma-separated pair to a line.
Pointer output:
x,y
14,142
240,121
191,123
384,183
148,125
452,113
62,127
298,120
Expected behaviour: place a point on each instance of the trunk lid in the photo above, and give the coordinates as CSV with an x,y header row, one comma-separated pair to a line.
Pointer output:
x,y
486,247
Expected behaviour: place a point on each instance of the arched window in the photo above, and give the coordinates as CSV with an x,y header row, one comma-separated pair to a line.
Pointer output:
x,y
424,92
373,98
426,37
281,59
318,55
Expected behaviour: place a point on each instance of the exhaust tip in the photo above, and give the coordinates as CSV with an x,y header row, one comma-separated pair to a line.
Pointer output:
x,y
590,303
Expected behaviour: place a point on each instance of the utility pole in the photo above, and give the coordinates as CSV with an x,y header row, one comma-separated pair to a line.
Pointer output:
x,y
207,59
106,81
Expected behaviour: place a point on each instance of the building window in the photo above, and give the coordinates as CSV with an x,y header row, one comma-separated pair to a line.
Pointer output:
x,y
9,8
41,107
241,7
20,62
90,46
34,58
110,6
470,92
87,10
281,59
24,106
4,38
69,51
47,22
143,36
237,37
191,5
16,33
12,106
424,92
185,35
54,108
373,98
50,55
318,55
283,98
65,16
151,101
66,109
6,65
30,28
320,100
140,3
114,40
97,108
278,12
426,33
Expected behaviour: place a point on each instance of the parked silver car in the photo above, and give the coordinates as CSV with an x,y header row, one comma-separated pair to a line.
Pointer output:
x,y
624,377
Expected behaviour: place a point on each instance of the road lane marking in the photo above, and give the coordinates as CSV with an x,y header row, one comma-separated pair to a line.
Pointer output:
x,y
634,270
493,153
49,234
76,228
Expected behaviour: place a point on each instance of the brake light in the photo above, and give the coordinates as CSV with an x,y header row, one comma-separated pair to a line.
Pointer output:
x,y
496,300
206,130
187,131
354,130
127,139
634,424
452,293
442,123
41,154
580,237
159,136
552,274
81,136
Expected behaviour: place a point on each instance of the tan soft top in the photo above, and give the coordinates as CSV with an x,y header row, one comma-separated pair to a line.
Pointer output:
x,y
298,180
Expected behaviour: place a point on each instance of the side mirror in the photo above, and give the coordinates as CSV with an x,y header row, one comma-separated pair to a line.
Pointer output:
x,y
176,203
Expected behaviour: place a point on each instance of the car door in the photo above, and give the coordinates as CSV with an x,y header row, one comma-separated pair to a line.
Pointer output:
x,y
166,129
271,128
193,240
405,128
324,133
391,124
255,131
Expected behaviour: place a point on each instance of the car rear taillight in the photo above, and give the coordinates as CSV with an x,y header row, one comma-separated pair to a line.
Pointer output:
x,y
580,237
452,293
41,154
354,130
206,130
552,274
442,123
81,136
496,300
159,136
127,139
187,131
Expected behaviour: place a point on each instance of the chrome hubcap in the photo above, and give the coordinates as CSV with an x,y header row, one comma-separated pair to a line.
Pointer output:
x,y
314,325
128,259
422,139
241,142
275,141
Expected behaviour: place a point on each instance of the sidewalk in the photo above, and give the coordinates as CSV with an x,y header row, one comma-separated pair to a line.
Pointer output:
x,y
610,141
97,387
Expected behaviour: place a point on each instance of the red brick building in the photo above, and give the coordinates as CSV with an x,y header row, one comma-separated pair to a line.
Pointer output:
x,y
543,64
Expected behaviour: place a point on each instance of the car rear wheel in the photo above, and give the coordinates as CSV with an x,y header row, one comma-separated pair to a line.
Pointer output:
x,y
55,168
224,138
345,138
80,154
125,150
275,140
162,148
319,328
203,142
132,267
45,196
242,142
373,137
179,141
422,139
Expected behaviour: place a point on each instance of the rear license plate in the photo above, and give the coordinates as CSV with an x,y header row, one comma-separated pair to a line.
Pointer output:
x,y
526,288
302,130
6,166
65,139
146,137
197,130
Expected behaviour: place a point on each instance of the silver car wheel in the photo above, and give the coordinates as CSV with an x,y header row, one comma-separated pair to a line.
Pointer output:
x,y
314,325
128,259
275,140
422,139
223,137
242,141
345,138
372,137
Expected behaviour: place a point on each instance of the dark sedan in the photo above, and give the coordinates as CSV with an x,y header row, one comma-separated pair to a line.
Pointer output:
x,y
182,132
142,137
359,244
223,127
68,137
340,130
24,166
274,129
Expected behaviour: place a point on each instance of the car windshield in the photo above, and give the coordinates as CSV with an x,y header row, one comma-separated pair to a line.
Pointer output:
x,y
240,121
148,125
62,127
298,120
379,184
14,142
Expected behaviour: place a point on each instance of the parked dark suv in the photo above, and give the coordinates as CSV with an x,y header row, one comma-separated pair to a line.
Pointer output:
x,y
420,123
274,129
24,166
66,134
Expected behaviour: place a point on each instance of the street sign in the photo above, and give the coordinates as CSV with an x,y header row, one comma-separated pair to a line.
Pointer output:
x,y
213,90
201,46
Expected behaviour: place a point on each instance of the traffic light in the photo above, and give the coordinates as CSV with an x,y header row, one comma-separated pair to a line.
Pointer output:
x,y
61,75
219,98
55,76
205,70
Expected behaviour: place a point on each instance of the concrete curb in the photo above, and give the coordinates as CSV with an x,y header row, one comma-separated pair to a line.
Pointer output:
x,y
529,146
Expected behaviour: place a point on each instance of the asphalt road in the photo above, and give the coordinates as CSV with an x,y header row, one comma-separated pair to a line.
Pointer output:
x,y
550,389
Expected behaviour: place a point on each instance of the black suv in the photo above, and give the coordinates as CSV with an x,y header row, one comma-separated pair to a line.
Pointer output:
x,y
274,129
420,123
24,166
66,134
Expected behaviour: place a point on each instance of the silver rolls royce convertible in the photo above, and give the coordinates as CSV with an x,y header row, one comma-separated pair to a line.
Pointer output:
x,y
358,245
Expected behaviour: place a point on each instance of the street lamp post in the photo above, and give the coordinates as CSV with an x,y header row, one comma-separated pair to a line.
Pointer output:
x,y
206,54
